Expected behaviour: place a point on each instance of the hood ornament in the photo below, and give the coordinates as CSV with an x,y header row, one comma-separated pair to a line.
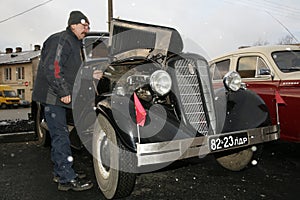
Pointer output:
x,y
191,69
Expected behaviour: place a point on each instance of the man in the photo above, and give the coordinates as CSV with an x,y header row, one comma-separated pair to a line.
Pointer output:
x,y
59,64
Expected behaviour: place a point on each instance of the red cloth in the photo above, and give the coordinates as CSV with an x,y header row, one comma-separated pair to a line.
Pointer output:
x,y
140,112
278,98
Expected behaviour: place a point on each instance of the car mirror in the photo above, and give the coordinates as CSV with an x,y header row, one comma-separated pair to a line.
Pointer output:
x,y
264,72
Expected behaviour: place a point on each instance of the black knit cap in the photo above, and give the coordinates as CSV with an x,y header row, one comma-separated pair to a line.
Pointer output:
x,y
77,17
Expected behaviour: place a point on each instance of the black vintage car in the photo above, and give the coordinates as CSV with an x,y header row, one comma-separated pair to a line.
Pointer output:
x,y
155,104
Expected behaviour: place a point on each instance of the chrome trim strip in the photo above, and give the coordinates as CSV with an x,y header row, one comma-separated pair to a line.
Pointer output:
x,y
161,152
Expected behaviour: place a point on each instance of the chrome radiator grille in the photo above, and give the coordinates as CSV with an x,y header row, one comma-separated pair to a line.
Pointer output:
x,y
190,95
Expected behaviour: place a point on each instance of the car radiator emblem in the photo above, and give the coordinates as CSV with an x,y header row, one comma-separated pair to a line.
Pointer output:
x,y
191,69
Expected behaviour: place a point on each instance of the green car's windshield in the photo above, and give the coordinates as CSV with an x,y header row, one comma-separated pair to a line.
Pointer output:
x,y
287,61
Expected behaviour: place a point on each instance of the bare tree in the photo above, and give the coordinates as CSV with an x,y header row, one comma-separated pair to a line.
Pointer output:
x,y
286,40
260,42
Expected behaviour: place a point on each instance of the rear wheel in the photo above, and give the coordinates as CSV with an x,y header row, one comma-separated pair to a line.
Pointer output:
x,y
41,129
3,106
113,164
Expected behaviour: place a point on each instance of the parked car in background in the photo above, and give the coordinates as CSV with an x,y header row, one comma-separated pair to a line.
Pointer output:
x,y
24,103
273,72
8,97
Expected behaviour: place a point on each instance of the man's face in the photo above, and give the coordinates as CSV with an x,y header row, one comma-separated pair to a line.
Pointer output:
x,y
80,29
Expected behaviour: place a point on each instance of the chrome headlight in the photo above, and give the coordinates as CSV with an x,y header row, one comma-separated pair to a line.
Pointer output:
x,y
160,82
120,91
232,81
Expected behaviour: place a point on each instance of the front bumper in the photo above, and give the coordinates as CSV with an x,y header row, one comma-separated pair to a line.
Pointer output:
x,y
162,152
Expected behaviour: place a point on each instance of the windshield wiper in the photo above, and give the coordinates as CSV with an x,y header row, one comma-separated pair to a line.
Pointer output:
x,y
291,69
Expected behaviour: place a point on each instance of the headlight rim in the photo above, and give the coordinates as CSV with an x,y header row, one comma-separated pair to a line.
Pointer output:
x,y
154,78
232,81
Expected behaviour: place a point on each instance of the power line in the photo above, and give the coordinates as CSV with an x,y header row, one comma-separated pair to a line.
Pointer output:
x,y
26,11
272,7
284,27
278,9
283,7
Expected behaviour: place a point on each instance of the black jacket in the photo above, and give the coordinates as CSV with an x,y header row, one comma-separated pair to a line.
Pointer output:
x,y
58,67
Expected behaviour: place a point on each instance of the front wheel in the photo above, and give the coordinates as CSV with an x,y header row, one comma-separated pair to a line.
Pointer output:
x,y
235,160
113,164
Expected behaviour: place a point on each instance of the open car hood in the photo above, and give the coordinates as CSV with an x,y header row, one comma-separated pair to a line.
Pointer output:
x,y
129,40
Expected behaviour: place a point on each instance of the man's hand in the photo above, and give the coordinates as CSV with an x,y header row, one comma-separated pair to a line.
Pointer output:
x,y
66,99
98,74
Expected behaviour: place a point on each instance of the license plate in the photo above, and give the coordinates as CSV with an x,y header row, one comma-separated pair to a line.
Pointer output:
x,y
221,142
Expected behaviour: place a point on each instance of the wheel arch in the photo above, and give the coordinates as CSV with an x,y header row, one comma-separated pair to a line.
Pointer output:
x,y
128,140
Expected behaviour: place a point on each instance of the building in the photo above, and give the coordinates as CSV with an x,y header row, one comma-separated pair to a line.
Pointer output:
x,y
18,69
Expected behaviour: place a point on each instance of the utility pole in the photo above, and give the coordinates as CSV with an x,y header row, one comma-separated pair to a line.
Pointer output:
x,y
110,12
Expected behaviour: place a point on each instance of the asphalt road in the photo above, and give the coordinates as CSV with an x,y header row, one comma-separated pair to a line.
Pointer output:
x,y
26,174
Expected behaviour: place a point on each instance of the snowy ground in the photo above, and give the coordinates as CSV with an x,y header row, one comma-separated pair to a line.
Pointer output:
x,y
12,126
15,120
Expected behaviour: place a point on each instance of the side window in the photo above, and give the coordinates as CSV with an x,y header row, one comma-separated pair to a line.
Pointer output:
x,y
99,50
262,68
250,67
220,69
95,47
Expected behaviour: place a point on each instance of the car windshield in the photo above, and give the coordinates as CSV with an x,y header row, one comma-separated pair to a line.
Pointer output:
x,y
8,93
96,47
287,61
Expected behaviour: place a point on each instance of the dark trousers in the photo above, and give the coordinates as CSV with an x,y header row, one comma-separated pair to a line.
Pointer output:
x,y
61,153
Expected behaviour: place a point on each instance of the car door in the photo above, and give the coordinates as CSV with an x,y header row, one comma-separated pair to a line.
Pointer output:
x,y
256,72
288,62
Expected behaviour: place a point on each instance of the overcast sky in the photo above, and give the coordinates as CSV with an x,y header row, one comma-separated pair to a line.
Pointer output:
x,y
208,27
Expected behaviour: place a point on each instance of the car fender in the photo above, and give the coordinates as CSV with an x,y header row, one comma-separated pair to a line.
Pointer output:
x,y
118,119
244,110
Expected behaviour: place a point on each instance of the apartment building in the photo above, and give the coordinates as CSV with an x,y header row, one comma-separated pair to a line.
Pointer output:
x,y
18,69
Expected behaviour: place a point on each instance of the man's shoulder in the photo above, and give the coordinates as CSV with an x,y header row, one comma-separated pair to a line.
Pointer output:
x,y
53,37
56,35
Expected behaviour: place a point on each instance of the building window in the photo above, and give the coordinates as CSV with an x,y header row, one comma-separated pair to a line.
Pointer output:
x,y
20,73
7,74
21,93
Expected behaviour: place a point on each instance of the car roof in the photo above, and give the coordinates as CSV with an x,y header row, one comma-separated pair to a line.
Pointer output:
x,y
263,49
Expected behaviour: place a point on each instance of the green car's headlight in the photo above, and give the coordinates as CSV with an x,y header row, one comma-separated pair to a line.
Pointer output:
x,y
160,82
232,81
